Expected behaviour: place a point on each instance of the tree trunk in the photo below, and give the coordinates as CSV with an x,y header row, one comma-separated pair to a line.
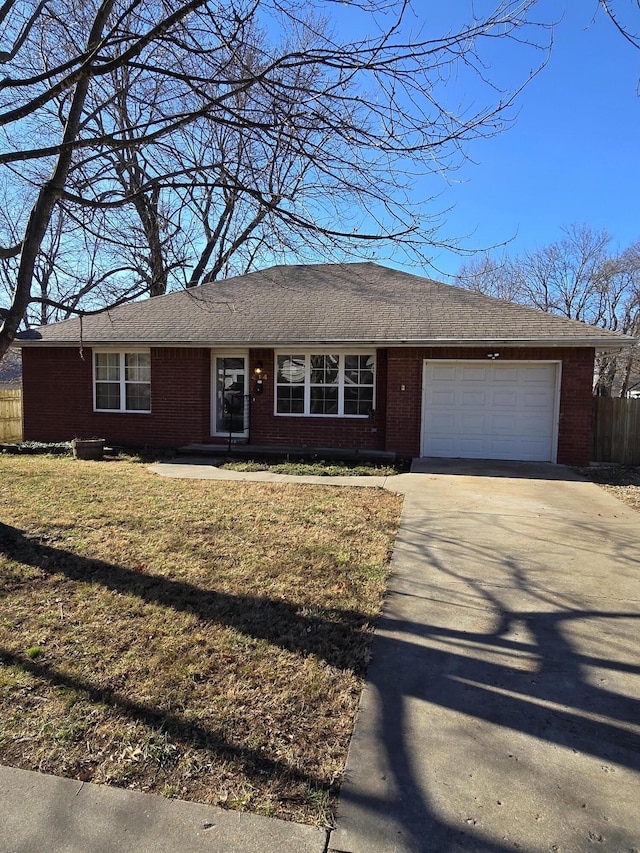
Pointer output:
x,y
50,193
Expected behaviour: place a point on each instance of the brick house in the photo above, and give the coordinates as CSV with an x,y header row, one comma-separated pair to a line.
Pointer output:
x,y
351,356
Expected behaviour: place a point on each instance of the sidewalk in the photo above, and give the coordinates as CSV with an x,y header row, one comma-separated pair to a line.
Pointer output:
x,y
45,814
202,468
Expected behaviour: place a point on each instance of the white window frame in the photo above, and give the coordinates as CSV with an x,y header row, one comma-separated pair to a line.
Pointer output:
x,y
122,381
307,353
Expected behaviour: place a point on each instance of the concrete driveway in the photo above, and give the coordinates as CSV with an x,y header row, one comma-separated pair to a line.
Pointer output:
x,y
502,709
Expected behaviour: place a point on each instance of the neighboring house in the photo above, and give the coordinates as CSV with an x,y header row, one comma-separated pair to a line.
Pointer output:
x,y
10,369
355,356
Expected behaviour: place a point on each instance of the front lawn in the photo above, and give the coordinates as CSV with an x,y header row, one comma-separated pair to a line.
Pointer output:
x,y
205,640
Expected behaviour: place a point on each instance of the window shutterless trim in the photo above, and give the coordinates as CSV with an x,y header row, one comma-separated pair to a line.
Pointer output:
x,y
306,385
122,383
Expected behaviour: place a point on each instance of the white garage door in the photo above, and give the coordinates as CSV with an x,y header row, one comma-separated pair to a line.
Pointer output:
x,y
490,410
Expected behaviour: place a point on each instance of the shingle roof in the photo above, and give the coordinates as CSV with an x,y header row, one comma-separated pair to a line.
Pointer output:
x,y
337,303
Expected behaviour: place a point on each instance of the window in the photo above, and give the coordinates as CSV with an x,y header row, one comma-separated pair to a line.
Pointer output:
x,y
337,384
122,381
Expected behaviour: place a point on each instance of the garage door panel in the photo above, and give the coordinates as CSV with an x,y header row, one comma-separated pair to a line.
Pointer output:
x,y
507,374
473,398
444,397
443,445
443,373
529,450
473,373
471,423
497,447
490,411
501,423
537,373
444,422
536,397
534,428
503,398
531,403
472,448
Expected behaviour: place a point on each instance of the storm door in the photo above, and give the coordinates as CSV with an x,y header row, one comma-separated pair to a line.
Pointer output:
x,y
231,396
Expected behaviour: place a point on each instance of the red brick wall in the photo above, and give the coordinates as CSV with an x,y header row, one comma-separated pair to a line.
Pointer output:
x,y
576,401
575,437
404,401
58,399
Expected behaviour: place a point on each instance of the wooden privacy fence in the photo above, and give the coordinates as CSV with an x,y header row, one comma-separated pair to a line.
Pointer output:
x,y
10,414
616,430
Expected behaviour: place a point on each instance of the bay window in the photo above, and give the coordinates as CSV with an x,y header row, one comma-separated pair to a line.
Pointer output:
x,y
325,384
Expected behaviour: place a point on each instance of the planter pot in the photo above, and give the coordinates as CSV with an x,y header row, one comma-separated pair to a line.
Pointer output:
x,y
88,448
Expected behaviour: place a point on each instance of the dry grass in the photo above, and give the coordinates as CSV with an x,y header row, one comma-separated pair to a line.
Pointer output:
x,y
623,481
197,639
318,468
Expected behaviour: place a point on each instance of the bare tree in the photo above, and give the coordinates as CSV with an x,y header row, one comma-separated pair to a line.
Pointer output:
x,y
628,363
578,277
493,275
106,106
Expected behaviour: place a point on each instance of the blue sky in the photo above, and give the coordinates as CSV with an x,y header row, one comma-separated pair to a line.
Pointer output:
x,y
572,153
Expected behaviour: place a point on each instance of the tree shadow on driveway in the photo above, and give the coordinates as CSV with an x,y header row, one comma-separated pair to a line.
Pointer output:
x,y
502,710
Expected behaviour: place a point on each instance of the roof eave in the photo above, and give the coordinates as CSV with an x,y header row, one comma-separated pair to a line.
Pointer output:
x,y
600,344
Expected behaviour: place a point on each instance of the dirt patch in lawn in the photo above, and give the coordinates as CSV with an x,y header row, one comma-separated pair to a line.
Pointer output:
x,y
621,480
204,640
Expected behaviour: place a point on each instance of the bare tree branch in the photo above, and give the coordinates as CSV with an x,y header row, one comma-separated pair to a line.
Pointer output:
x,y
158,142
630,36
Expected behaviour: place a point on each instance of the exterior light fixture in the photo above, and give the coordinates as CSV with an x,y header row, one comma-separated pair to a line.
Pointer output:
x,y
259,378
493,355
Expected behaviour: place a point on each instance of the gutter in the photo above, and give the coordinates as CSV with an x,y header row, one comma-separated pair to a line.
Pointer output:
x,y
600,344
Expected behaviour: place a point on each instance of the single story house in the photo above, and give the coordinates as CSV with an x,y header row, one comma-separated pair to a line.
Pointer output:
x,y
353,356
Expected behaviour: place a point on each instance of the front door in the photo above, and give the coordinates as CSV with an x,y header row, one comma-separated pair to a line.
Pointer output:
x,y
230,403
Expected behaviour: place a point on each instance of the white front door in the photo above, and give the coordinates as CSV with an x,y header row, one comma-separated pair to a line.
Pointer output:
x,y
230,395
490,410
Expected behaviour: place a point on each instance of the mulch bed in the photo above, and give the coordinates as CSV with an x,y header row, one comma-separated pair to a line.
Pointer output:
x,y
623,481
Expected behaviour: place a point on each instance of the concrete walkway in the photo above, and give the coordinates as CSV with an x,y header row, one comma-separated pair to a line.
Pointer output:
x,y
502,708
202,468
